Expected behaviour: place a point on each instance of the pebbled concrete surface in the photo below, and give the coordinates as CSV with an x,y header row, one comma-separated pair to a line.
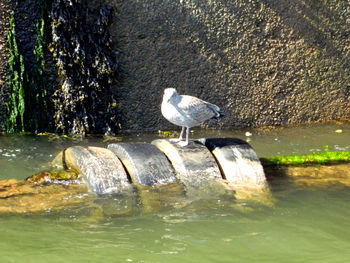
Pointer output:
x,y
264,62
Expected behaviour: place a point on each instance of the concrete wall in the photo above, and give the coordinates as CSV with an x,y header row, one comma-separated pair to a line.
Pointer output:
x,y
264,62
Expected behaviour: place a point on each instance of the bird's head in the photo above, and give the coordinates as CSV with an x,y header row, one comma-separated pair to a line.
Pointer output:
x,y
168,94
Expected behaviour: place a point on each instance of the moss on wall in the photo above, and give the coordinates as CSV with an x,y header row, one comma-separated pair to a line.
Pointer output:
x,y
26,95
15,105
86,66
66,90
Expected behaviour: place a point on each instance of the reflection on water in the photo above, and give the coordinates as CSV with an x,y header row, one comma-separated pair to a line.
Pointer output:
x,y
306,222
303,226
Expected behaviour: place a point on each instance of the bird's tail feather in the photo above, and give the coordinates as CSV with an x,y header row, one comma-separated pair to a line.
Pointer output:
x,y
219,114
217,111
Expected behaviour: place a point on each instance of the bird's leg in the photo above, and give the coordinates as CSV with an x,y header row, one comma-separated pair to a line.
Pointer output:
x,y
187,134
181,133
181,136
185,143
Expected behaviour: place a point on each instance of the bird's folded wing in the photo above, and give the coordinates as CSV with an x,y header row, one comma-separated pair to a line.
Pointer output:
x,y
196,108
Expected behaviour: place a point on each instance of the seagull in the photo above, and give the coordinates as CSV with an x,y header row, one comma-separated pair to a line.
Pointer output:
x,y
187,112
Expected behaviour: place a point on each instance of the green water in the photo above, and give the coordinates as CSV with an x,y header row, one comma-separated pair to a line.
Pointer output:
x,y
303,225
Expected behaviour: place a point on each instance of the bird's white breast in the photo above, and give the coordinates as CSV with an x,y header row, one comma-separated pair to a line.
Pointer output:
x,y
172,114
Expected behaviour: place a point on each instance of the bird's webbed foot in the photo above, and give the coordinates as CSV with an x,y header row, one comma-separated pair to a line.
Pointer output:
x,y
180,138
176,140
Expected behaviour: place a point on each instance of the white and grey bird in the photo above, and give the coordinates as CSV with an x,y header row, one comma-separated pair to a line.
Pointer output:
x,y
187,112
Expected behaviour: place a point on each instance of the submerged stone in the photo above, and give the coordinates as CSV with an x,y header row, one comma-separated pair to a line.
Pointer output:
x,y
157,198
27,197
319,176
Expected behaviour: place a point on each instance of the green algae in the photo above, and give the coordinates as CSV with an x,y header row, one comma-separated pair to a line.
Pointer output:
x,y
309,159
27,95
16,104
54,176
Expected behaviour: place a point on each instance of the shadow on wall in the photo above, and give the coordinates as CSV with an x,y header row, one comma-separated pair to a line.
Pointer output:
x,y
263,62
324,26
